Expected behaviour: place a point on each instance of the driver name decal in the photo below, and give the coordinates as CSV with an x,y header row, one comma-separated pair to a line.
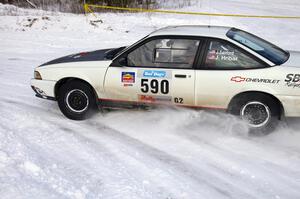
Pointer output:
x,y
222,55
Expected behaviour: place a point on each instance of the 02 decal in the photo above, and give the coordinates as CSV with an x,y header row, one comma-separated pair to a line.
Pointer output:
x,y
178,100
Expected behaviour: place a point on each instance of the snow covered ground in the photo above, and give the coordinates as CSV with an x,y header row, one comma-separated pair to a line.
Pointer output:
x,y
168,154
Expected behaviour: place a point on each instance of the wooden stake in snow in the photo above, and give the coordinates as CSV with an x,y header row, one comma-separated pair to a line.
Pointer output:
x,y
31,4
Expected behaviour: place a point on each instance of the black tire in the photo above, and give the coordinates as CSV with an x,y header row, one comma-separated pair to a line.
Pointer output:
x,y
260,111
76,100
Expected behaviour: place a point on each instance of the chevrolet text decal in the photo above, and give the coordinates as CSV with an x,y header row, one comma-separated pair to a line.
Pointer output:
x,y
239,79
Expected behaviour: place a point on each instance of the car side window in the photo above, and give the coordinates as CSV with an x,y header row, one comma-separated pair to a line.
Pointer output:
x,y
165,53
222,55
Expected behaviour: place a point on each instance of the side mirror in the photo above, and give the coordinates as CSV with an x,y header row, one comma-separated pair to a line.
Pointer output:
x,y
122,61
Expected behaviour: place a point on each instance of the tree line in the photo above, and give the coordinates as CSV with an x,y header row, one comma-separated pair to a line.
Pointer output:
x,y
76,6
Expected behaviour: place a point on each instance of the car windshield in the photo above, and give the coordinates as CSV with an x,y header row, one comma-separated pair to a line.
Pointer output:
x,y
260,46
128,47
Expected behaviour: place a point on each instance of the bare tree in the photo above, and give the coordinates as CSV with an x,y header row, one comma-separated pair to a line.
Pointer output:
x,y
76,6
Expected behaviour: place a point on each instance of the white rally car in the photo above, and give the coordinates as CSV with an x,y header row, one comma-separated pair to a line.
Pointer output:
x,y
191,66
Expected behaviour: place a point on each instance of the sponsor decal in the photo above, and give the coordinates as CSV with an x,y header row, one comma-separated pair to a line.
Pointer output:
x,y
128,77
152,98
239,79
79,55
127,85
293,80
154,74
293,85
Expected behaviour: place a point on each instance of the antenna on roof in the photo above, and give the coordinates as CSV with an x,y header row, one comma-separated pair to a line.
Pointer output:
x,y
32,4
209,5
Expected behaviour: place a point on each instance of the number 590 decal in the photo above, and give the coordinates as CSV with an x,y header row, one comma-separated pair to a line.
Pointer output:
x,y
154,86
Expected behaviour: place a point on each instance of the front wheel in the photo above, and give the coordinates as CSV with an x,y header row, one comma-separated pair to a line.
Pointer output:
x,y
76,100
261,112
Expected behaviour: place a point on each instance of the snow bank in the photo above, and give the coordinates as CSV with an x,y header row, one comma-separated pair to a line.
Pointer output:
x,y
11,10
166,153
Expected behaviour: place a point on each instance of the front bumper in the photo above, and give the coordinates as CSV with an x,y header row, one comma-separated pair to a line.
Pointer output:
x,y
43,88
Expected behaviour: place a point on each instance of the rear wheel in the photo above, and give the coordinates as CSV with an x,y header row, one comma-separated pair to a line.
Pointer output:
x,y
261,112
76,100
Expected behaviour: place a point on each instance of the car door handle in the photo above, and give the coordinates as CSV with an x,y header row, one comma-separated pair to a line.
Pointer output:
x,y
180,76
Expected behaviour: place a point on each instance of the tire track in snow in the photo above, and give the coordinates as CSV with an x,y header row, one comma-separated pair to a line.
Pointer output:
x,y
167,160
287,184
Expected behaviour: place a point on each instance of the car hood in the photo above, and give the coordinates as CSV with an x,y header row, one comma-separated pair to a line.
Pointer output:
x,y
98,55
294,59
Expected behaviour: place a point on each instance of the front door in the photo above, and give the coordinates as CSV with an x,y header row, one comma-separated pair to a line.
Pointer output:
x,y
159,71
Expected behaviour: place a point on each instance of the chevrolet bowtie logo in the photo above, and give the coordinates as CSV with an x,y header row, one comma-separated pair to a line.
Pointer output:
x,y
238,79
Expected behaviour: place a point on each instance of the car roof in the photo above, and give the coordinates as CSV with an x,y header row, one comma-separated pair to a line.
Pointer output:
x,y
193,30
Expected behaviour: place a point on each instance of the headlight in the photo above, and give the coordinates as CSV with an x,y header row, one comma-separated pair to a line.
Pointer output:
x,y
37,75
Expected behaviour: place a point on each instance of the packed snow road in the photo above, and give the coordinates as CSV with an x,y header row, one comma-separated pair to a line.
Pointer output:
x,y
165,153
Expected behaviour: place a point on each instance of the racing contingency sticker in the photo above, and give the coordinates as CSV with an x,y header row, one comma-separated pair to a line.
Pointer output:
x,y
128,77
